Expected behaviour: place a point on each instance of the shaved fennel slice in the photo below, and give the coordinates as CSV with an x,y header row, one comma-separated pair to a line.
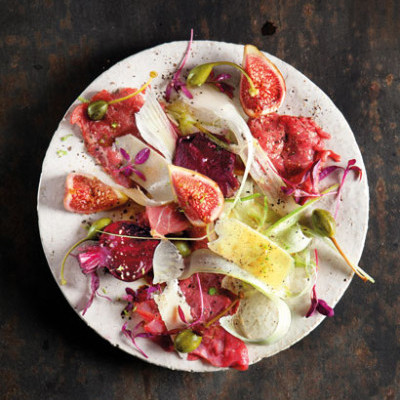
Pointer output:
x,y
260,319
204,260
267,178
236,286
139,197
301,279
168,303
291,239
245,142
155,170
214,108
167,262
155,127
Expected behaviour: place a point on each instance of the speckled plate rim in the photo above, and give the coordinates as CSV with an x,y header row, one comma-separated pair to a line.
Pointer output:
x,y
60,229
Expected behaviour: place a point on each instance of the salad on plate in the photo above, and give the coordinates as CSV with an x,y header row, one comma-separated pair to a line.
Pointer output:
x,y
211,213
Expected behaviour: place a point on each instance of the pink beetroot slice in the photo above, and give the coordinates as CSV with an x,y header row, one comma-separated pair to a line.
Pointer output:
x,y
126,258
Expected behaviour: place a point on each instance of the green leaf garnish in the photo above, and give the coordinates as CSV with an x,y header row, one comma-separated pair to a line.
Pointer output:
x,y
64,138
61,153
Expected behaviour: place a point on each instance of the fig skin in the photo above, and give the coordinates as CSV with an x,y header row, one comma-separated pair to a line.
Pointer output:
x,y
86,194
199,197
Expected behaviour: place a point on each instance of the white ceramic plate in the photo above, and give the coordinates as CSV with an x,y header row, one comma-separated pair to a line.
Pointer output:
x,y
59,229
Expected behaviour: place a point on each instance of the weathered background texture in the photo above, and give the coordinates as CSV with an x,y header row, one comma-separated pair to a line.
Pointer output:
x,y
50,50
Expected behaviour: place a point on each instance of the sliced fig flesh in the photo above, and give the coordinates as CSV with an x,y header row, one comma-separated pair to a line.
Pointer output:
x,y
85,194
198,196
268,81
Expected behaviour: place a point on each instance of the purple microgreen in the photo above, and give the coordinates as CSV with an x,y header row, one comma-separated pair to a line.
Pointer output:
x,y
140,174
94,285
316,260
130,292
151,290
327,171
124,154
318,304
314,303
182,315
324,309
168,91
222,77
186,91
225,88
127,170
147,335
128,308
298,193
104,296
350,167
142,156
132,335
176,81
220,85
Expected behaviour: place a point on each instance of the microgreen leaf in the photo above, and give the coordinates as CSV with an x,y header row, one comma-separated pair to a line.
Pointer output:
x,y
124,154
140,174
176,82
142,156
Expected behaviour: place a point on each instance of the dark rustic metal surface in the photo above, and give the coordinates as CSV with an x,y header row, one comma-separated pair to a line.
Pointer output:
x,y
50,50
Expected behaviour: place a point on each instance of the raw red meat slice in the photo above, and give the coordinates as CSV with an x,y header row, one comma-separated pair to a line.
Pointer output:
x,y
100,135
198,153
214,303
148,310
294,145
221,349
218,347
166,219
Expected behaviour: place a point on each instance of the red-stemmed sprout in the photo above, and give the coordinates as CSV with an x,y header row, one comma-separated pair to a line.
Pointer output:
x,y
350,167
94,286
201,316
316,175
332,168
132,335
318,305
177,83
